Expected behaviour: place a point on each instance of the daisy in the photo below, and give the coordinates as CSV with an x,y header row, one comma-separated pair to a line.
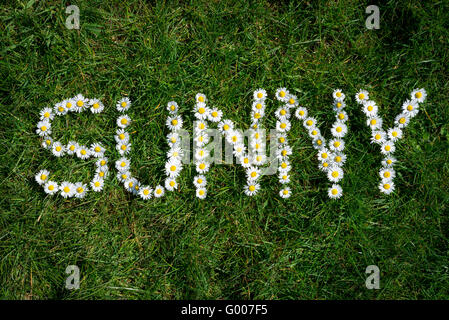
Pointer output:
x,y
301,113
202,166
335,192
215,115
257,115
323,154
282,113
83,152
47,114
200,181
281,138
122,164
58,149
172,168
173,139
318,142
342,116
335,174
375,123
200,97
285,193
338,95
402,120
314,132
171,184
123,148
394,134
292,101
387,173
43,128
260,94
388,161
259,159
47,142
201,139
129,184
411,108
361,96
201,193
201,154
370,108
309,123
96,106
283,126
200,126
339,129
69,105
225,125
136,187
102,172
339,106
257,134
284,178
97,184
72,147
67,189
97,150
378,136
234,137
419,95
80,102
172,107
258,106
251,189
80,190
60,108
123,104
123,121
282,94
51,187
42,176
336,144
159,191
145,192
123,176
338,158
174,122
324,165
386,187
201,111
239,150
387,148
245,161
121,136
283,152
257,146
175,153
253,173
284,166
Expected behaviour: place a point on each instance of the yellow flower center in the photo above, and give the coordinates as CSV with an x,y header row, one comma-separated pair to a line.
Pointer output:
x,y
336,144
334,191
96,105
80,103
252,188
283,165
257,135
130,184
97,184
282,94
324,155
124,121
314,132
284,152
259,106
102,162
387,148
409,107
361,96
201,99
123,147
337,158
172,183
260,95
291,101
285,192
201,192
253,174
386,186
44,128
72,148
80,190
201,110
83,152
98,149
58,148
257,115
394,134
51,187
47,115
174,122
283,125
309,122
339,129
284,177
173,140
48,142
214,114
370,108
68,105
339,104
44,177
124,176
341,116
172,107
123,104
402,120
173,168
66,189
146,192
338,94
377,136
158,191
245,160
202,166
123,164
259,158
418,95
373,122
325,164
386,174
200,181
61,109
301,112
101,174
319,142
335,174
389,161
281,139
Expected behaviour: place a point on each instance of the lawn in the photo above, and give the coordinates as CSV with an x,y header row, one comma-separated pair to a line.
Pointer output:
x,y
228,246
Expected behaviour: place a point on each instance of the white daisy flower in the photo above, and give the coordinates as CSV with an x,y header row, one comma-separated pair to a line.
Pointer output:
x,y
43,128
259,159
394,134
245,161
338,158
121,136
234,137
282,113
42,176
173,139
122,176
171,184
159,191
338,95
324,165
200,126
335,174
375,123
283,152
314,132
257,146
58,149
201,193
282,94
419,95
323,154
253,173
239,150
69,104
284,178
292,101
96,106
81,103
257,115
285,193
123,121
102,172
80,190
335,192
174,122
172,168
67,189
388,148
97,150
200,98
342,116
83,152
386,187
284,166
362,96
145,192
47,142
388,161
60,108
201,111
251,189
387,173
301,113
122,164
411,108
51,187
370,108
258,135
72,147
123,148
225,125
123,104
201,139
202,166
199,181
336,144
201,154
378,136
175,153
260,94
281,138
47,114
339,106
339,129
258,106
172,107
97,184
130,184
318,142
309,123
402,120
283,126
215,115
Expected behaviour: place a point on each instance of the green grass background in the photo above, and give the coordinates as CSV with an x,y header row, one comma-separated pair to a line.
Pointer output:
x,y
229,246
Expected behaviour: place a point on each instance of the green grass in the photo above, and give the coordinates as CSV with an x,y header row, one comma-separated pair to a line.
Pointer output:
x,y
229,246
